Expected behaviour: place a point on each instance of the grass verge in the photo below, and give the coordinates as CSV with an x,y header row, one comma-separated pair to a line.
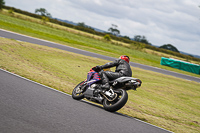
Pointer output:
x,y
165,101
52,32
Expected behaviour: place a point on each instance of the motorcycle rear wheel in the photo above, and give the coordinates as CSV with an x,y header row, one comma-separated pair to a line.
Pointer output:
x,y
78,91
117,104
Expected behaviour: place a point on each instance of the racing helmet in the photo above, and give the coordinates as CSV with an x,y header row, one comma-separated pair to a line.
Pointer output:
x,y
125,57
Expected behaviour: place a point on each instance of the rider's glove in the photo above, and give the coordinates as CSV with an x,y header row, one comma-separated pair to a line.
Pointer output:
x,y
97,68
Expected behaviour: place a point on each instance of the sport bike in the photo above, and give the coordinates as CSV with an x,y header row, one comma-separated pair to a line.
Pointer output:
x,y
113,99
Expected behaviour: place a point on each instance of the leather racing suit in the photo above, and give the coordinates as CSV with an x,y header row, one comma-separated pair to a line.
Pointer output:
x,y
122,69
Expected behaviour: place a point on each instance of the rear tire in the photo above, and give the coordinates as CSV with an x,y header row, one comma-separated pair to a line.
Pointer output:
x,y
78,91
118,103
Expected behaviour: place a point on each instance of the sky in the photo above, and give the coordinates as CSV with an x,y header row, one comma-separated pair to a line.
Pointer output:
x,y
175,22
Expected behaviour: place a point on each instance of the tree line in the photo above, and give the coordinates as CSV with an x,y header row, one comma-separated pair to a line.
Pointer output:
x,y
137,41
142,39
112,30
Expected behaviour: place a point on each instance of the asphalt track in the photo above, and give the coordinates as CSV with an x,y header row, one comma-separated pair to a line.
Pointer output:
x,y
29,107
16,36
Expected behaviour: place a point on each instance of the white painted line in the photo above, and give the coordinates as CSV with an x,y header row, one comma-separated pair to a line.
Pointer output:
x,y
19,41
93,53
152,125
83,100
34,82
40,39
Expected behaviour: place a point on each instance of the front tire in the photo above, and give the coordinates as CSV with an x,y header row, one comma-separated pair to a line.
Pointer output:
x,y
78,91
117,104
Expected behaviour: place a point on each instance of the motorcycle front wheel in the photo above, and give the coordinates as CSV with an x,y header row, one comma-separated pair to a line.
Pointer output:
x,y
78,91
118,103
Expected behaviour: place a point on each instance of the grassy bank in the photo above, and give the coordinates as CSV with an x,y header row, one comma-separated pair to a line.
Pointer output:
x,y
66,36
165,101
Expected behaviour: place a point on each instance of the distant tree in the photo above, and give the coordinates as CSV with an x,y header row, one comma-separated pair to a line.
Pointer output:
x,y
82,24
45,19
114,30
127,37
11,11
169,47
107,37
2,3
42,12
142,39
137,38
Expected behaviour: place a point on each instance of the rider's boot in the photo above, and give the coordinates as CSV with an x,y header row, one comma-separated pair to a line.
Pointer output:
x,y
105,82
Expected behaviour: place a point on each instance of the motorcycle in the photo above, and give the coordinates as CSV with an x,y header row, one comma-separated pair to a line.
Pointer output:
x,y
113,99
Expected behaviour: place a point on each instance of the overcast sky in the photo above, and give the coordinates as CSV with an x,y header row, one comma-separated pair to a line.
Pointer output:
x,y
175,22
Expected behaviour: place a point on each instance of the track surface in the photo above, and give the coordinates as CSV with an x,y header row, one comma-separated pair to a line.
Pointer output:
x,y
27,107
16,36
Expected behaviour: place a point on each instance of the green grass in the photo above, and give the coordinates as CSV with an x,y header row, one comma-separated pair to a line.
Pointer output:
x,y
164,101
62,35
43,61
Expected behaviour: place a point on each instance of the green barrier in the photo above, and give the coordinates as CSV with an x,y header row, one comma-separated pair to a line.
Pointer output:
x,y
178,64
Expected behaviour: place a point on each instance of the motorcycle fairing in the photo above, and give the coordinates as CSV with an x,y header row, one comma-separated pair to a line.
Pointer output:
x,y
125,79
92,77
126,83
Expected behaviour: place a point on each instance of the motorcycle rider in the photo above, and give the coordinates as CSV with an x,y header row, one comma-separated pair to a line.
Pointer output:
x,y
122,69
